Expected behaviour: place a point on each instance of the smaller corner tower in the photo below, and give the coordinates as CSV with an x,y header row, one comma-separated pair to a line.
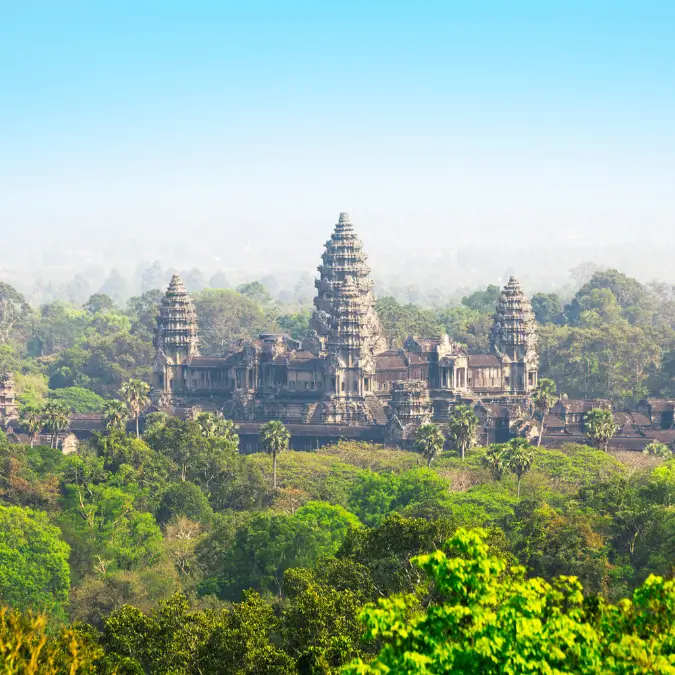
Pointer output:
x,y
176,338
514,339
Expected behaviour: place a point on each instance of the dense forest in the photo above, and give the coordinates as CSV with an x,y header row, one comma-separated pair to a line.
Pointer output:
x,y
171,552
614,338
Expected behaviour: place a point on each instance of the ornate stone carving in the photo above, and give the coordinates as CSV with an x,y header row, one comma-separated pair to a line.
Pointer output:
x,y
177,321
410,402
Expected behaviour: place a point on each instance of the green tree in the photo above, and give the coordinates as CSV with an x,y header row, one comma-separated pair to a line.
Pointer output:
x,y
483,301
34,572
320,623
543,397
135,394
274,438
116,415
182,442
399,321
79,399
599,426
495,460
105,531
184,499
31,644
518,457
31,420
245,640
429,440
99,303
226,316
658,449
462,427
264,547
166,641
216,426
255,291
13,311
56,418
547,308
493,620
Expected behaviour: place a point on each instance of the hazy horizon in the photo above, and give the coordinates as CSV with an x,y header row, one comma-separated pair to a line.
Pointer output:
x,y
464,141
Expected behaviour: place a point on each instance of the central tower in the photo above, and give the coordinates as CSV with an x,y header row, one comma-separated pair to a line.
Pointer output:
x,y
344,329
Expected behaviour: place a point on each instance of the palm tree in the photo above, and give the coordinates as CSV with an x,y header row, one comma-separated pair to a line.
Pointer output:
x,y
56,418
429,440
462,427
135,395
518,457
495,460
544,397
274,438
116,415
31,419
599,426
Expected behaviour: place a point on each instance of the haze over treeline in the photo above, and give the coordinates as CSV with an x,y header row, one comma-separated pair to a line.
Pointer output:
x,y
465,142
430,277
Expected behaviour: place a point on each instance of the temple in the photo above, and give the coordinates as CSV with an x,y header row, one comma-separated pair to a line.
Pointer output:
x,y
343,374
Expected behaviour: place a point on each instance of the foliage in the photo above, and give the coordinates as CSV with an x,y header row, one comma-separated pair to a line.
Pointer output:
x,y
135,394
29,645
34,571
658,449
226,316
274,438
543,397
184,499
263,548
491,619
462,427
599,426
116,415
429,440
55,417
78,399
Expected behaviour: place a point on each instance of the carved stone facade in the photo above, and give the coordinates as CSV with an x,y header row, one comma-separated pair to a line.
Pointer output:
x,y
176,341
514,339
343,373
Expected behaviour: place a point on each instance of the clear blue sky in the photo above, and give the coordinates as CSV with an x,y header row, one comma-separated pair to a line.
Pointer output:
x,y
460,119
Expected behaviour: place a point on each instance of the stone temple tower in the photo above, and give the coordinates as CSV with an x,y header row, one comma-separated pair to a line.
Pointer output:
x,y
514,339
344,329
175,340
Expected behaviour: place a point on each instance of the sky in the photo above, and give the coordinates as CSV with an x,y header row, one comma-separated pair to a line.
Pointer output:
x,y
233,133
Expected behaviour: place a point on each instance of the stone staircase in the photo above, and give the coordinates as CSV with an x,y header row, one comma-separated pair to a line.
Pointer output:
x,y
377,410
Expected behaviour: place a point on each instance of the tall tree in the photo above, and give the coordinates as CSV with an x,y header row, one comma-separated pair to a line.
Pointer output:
x,y
13,308
56,418
600,426
116,415
462,428
32,422
429,440
518,458
135,395
274,438
495,460
544,397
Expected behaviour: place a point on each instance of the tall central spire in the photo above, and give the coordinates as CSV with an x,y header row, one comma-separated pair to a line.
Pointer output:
x,y
344,316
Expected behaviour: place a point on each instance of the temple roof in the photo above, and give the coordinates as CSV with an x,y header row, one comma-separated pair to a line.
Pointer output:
x,y
483,360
